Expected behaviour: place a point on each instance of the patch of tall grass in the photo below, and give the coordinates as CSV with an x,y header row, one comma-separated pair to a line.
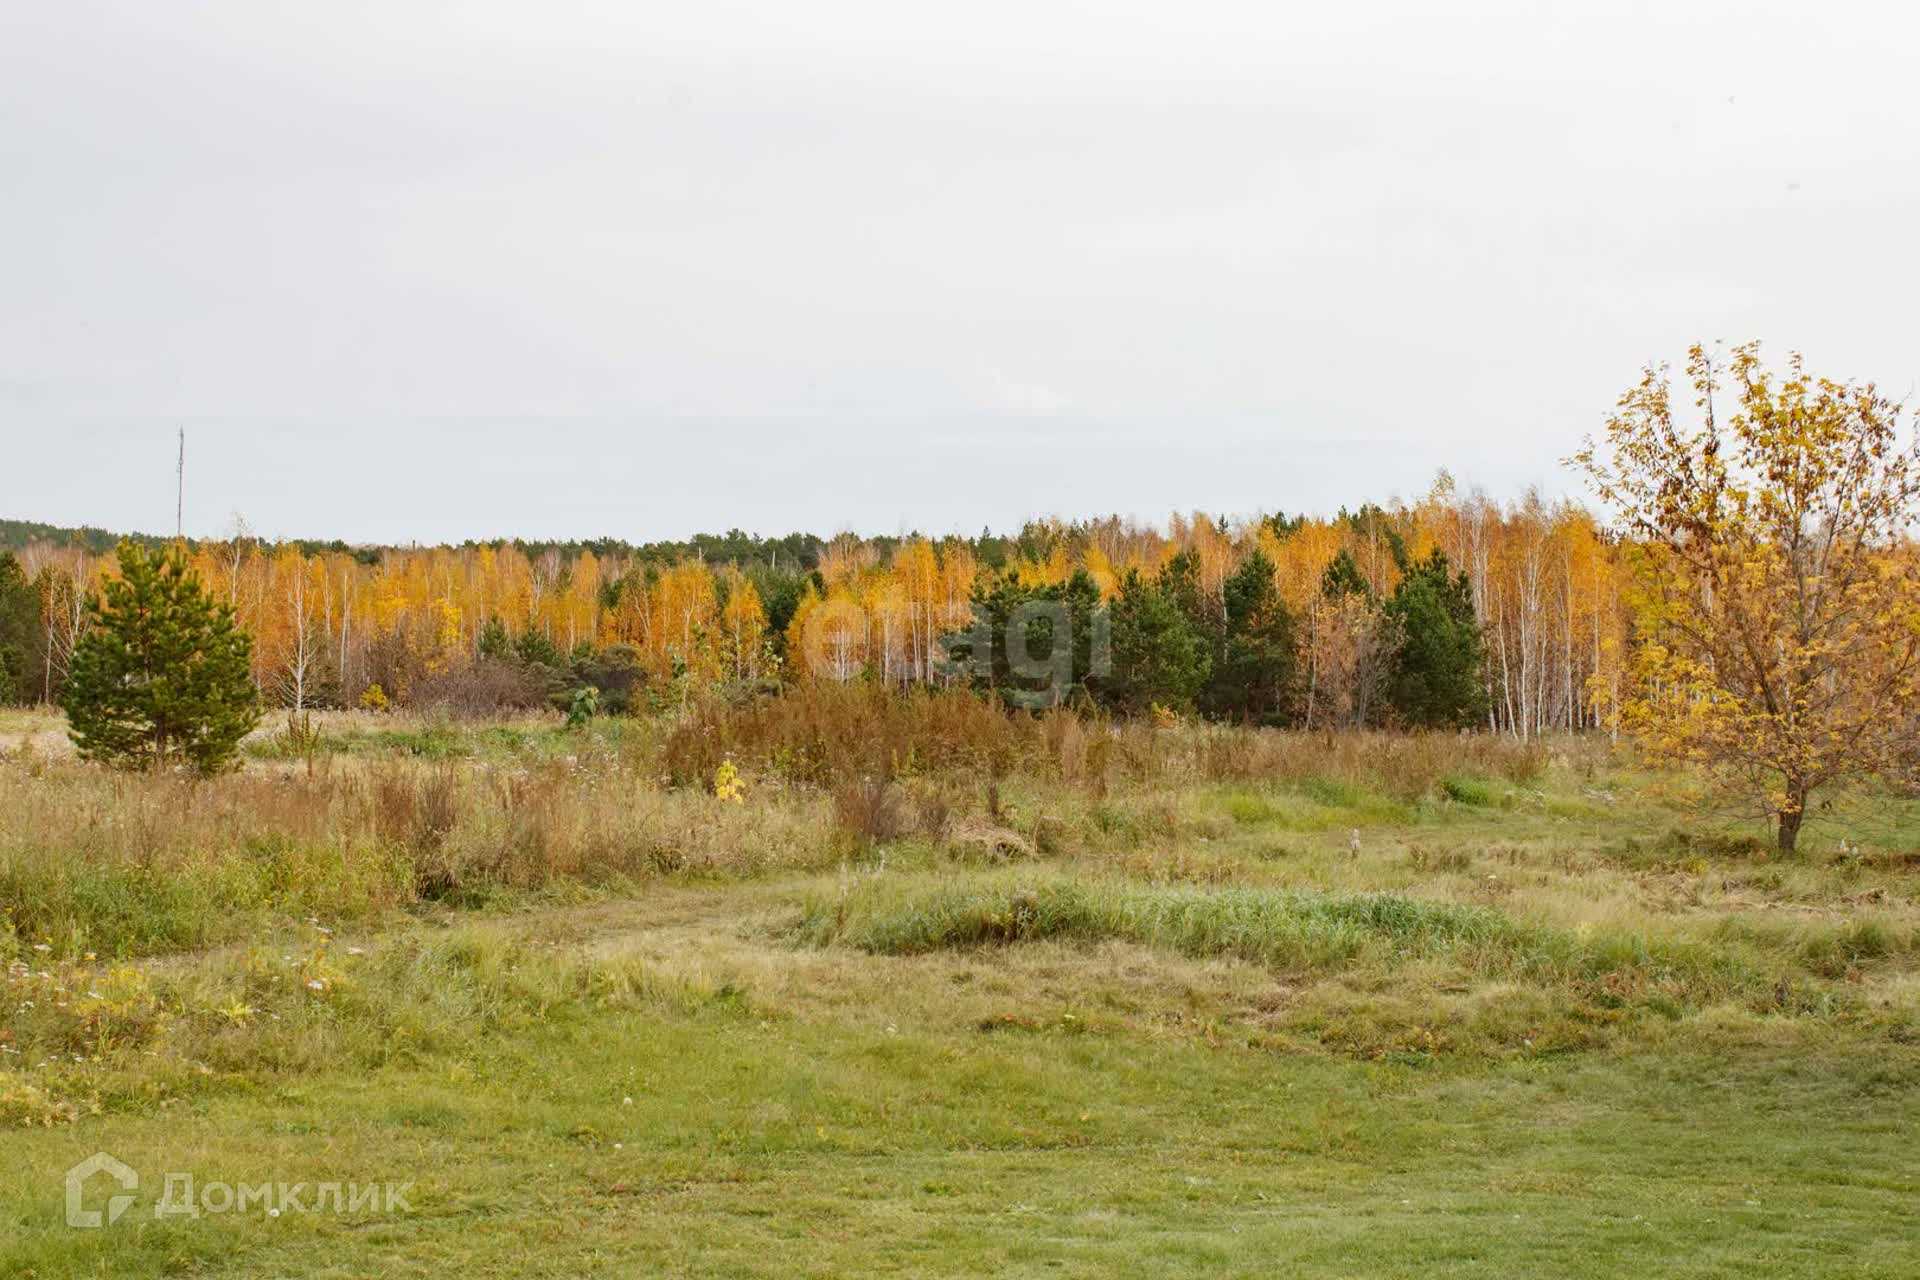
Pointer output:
x,y
1290,931
123,865
822,732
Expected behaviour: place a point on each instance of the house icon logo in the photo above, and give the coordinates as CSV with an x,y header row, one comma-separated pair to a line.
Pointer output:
x,y
98,1162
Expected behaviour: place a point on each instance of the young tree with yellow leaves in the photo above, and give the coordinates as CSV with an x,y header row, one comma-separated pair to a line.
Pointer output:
x,y
743,625
1776,596
295,642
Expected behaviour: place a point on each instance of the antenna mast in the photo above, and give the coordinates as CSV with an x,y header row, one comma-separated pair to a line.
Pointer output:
x,y
180,497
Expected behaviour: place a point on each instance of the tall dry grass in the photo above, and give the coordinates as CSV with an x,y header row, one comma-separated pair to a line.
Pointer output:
x,y
126,864
825,733
828,733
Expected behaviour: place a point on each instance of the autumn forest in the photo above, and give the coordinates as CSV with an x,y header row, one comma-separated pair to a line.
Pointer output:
x,y
372,626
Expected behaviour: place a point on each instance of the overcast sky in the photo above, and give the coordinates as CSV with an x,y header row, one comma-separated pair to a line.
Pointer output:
x,y
426,271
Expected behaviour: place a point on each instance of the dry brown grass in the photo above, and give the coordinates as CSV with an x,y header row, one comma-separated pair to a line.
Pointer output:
x,y
1406,766
828,733
119,863
871,810
822,733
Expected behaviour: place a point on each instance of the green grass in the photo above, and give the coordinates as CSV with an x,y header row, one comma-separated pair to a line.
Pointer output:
x,y
119,909
759,1143
1320,804
1287,931
438,737
1384,974
1229,1005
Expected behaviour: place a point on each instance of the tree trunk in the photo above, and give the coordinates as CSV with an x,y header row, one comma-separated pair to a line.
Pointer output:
x,y
1791,815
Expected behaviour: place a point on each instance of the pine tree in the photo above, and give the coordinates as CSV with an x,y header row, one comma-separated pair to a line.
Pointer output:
x,y
1436,681
1343,578
1254,679
162,673
1159,656
19,631
533,648
1031,643
494,642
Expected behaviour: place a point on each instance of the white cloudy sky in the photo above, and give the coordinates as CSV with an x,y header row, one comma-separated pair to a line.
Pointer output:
x,y
436,270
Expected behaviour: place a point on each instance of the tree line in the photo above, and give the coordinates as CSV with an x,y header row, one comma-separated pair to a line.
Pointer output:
x,y
1322,614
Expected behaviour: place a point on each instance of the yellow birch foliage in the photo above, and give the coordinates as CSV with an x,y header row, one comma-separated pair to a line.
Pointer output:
x,y
1775,593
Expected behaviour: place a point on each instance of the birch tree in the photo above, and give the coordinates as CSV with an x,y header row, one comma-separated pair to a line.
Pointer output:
x,y
1776,596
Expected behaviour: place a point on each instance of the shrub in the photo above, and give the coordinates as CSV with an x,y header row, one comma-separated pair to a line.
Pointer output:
x,y
1469,791
489,687
616,673
871,810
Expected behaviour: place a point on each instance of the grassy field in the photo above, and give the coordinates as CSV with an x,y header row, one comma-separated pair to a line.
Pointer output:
x,y
942,993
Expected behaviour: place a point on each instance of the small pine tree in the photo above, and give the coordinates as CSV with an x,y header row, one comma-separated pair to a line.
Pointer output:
x,y
1254,679
493,640
1342,577
163,671
1159,655
1436,681
533,647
